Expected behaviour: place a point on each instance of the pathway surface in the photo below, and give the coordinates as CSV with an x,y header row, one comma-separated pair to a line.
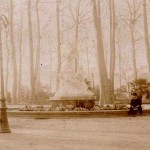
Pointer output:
x,y
124,133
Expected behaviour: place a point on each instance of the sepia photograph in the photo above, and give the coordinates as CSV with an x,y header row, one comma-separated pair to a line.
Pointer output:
x,y
74,74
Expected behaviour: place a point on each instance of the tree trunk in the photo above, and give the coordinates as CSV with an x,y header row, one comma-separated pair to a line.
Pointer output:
x,y
87,51
20,55
37,61
120,58
112,47
4,125
76,46
32,83
104,83
131,22
58,42
133,51
120,68
87,56
50,70
146,33
77,23
12,41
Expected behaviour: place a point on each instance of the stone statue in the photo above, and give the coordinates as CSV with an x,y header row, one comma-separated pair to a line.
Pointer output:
x,y
72,84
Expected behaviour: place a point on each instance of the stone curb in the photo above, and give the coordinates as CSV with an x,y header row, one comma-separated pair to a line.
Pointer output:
x,y
71,114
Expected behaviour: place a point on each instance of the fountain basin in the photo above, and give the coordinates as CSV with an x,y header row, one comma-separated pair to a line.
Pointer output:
x,y
78,101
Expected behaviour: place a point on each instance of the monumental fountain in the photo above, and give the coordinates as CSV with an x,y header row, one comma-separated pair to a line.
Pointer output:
x,y
72,89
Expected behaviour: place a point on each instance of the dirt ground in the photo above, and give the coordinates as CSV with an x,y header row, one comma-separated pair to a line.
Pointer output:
x,y
125,133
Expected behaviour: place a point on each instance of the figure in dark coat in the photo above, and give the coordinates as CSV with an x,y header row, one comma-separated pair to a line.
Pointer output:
x,y
136,103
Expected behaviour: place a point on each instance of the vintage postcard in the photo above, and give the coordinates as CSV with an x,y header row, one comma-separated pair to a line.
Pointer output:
x,y
74,74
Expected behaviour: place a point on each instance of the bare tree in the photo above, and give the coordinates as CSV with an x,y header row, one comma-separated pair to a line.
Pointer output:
x,y
78,16
112,46
58,41
50,69
7,45
77,23
146,31
20,54
87,53
32,81
134,16
104,82
37,60
4,126
119,38
13,54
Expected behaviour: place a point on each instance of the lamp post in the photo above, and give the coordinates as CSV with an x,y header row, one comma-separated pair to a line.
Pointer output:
x,y
4,126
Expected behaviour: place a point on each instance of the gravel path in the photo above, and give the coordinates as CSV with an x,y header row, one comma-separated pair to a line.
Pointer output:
x,y
125,133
